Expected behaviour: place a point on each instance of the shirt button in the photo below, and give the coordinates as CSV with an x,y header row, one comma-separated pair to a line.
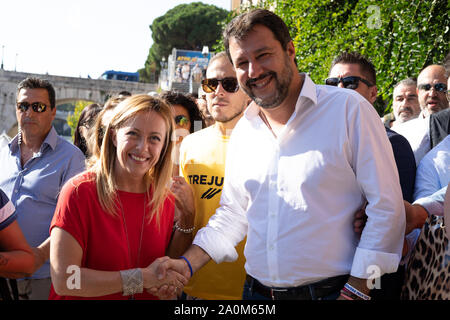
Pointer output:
x,y
16,191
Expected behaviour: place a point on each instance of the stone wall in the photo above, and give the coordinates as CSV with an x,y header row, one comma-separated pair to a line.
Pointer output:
x,y
66,88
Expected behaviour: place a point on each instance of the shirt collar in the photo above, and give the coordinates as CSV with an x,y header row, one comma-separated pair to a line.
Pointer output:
x,y
423,115
308,92
51,139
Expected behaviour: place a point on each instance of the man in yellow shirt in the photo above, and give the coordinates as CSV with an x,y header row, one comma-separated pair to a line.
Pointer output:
x,y
202,164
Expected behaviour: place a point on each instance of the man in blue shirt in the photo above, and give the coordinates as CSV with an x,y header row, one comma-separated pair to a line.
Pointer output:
x,y
433,204
433,172
35,166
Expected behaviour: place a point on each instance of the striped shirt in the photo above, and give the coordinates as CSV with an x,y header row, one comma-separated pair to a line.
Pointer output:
x,y
7,211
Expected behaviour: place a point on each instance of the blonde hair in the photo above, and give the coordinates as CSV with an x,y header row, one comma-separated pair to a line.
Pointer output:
x,y
98,130
157,178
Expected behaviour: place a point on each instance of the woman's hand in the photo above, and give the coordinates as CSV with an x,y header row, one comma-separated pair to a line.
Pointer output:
x,y
184,202
168,280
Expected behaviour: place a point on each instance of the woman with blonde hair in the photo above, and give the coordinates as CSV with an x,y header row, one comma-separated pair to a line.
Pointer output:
x,y
114,223
99,126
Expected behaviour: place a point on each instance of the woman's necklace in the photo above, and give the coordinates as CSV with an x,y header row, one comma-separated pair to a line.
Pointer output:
x,y
126,234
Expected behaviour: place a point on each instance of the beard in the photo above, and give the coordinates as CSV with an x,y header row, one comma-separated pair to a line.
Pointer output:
x,y
441,104
281,87
228,117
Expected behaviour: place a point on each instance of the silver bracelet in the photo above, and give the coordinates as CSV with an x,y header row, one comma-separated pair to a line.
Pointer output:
x,y
132,281
188,230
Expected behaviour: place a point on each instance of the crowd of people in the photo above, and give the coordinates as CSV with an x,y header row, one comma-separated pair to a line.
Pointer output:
x,y
265,186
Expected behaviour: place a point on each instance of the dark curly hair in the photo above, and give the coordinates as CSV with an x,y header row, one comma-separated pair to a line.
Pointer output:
x,y
242,25
87,119
179,98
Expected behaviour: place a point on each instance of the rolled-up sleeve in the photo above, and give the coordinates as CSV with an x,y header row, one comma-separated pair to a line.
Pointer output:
x,y
381,241
434,204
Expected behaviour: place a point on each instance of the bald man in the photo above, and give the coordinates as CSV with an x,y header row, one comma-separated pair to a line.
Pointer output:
x,y
440,121
431,91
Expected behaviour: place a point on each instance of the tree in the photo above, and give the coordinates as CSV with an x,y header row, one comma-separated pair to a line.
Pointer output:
x,y
72,119
186,26
400,37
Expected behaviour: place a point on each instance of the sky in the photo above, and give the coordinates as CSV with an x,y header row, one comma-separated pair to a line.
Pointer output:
x,y
82,37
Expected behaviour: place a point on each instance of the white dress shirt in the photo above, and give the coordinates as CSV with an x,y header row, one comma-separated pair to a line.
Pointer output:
x,y
295,196
417,132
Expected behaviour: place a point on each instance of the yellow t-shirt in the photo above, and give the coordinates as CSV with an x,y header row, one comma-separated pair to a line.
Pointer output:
x,y
202,164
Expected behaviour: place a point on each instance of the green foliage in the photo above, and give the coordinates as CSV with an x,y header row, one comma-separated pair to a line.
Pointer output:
x,y
147,74
400,37
186,26
72,119
219,46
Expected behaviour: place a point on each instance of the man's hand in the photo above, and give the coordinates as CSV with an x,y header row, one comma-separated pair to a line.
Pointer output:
x,y
171,275
164,277
359,221
415,216
41,254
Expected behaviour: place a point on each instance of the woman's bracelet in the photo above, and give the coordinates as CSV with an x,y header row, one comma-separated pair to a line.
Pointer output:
x,y
132,281
187,230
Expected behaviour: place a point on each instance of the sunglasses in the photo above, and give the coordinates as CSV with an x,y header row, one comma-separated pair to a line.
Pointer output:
x,y
229,84
351,82
36,106
181,120
440,87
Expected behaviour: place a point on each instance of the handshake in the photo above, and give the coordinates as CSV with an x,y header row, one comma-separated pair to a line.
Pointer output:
x,y
166,277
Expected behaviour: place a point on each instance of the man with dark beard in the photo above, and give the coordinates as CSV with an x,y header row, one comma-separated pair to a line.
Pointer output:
x,y
301,160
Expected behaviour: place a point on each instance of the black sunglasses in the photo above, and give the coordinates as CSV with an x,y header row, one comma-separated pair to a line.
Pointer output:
x,y
441,87
229,84
36,106
351,82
